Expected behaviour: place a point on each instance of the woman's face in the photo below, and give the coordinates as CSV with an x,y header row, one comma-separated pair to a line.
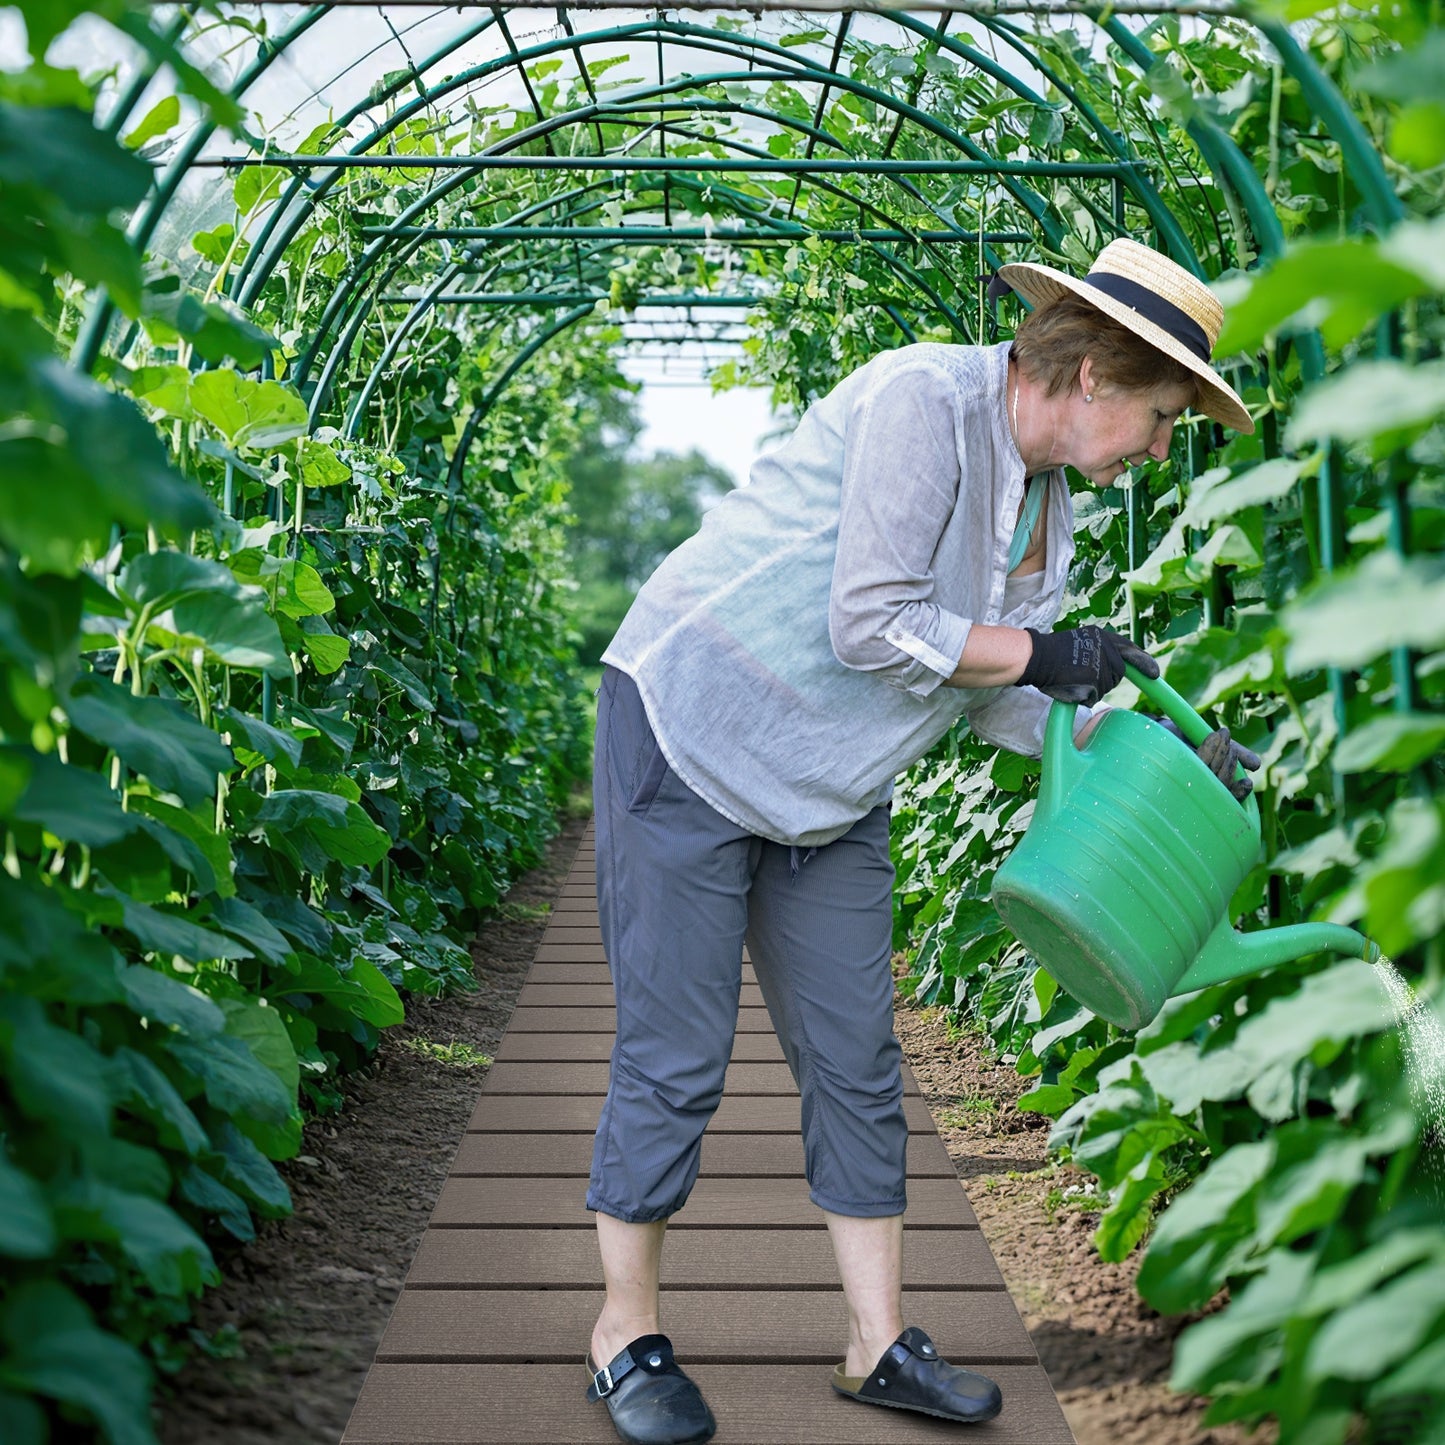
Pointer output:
x,y
1120,429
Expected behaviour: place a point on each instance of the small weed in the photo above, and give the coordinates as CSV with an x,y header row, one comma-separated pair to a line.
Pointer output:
x,y
523,912
1081,1198
461,1056
223,1344
966,1112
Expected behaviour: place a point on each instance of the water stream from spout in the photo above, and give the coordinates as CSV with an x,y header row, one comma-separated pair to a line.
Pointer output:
x,y
1422,1041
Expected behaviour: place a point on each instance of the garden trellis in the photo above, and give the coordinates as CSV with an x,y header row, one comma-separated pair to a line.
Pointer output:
x,y
302,309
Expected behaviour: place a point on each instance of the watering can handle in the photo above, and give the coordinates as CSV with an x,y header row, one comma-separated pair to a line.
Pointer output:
x,y
1158,692
1194,728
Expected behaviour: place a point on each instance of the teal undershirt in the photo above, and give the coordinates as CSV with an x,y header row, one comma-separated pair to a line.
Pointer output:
x,y
1033,504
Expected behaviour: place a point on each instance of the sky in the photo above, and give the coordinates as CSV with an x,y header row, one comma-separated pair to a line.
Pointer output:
x,y
727,428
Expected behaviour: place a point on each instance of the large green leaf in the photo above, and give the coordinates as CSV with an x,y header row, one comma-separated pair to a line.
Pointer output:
x,y
248,1171
1377,1332
163,1249
1240,1345
27,1230
1228,496
1384,403
255,415
362,989
118,449
169,934
342,828
320,466
208,1194
264,1033
272,743
293,588
65,959
58,150
1207,1233
155,736
1404,883
239,918
216,330
234,1081
237,631
72,803
1392,742
144,1089
54,1349
1385,602
191,841
159,580
165,1000
51,509
1339,285
54,1075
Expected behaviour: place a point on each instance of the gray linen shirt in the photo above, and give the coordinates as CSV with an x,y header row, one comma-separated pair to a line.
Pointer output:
x,y
791,654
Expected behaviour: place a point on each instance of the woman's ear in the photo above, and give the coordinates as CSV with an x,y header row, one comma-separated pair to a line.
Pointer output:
x,y
1086,377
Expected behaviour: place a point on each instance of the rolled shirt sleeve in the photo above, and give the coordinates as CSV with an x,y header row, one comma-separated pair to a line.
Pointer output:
x,y
1015,718
901,467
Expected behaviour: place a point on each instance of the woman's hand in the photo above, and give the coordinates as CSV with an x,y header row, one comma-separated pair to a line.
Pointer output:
x,y
1224,757
1081,664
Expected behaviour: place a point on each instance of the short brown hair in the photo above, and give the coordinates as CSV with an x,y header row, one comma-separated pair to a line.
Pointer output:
x,y
1052,341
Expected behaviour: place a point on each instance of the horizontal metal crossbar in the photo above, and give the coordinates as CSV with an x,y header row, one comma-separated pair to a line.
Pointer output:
x,y
985,9
578,298
670,235
787,165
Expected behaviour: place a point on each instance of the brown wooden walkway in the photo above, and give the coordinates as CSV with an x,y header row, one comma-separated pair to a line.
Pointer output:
x,y
486,1341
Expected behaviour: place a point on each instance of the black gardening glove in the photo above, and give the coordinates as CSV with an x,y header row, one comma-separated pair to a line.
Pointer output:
x,y
1223,757
1081,664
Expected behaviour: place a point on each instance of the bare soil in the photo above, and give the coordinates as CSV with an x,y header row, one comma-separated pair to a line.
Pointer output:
x,y
294,1324
1107,1354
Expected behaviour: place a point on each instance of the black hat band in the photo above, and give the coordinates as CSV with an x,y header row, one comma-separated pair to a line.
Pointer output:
x,y
1153,307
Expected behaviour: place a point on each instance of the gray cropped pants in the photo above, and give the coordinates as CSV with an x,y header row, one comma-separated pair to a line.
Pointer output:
x,y
680,890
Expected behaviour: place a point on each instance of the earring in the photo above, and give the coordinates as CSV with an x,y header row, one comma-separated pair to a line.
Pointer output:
x,y
1089,397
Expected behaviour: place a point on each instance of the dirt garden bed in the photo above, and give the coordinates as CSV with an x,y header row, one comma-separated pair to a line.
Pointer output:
x,y
297,1319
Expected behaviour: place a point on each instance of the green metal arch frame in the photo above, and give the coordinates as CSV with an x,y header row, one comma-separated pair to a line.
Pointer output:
x,y
1144,192
248,285
1228,164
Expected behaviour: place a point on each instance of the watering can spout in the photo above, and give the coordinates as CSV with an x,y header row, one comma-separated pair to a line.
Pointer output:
x,y
1229,954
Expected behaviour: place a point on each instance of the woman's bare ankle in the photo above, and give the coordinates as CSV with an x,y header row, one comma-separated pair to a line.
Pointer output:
x,y
612,1334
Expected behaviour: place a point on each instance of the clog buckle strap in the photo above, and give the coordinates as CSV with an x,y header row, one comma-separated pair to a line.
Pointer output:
x,y
912,1341
654,1356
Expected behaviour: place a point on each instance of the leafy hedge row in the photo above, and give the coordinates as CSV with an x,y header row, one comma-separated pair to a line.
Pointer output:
x,y
282,710
1273,1137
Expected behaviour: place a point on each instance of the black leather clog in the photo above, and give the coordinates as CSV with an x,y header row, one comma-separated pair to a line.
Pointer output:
x,y
910,1376
649,1398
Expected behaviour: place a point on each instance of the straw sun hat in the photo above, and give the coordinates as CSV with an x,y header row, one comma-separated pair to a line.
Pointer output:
x,y
1156,299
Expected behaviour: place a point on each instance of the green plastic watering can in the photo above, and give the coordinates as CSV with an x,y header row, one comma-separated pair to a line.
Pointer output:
x,y
1121,885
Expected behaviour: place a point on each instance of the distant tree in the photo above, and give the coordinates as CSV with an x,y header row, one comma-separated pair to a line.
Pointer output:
x,y
629,515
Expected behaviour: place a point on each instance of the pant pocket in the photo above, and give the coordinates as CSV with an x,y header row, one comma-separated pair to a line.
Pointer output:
x,y
652,768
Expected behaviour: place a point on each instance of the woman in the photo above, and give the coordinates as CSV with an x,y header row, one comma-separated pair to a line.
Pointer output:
x,y
887,572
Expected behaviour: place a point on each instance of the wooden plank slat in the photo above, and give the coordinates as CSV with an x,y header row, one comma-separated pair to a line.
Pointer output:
x,y
744,1078
593,971
570,1155
545,995
569,952
776,1405
589,1018
742,1204
574,1113
700,1259
595,1047
449,1326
